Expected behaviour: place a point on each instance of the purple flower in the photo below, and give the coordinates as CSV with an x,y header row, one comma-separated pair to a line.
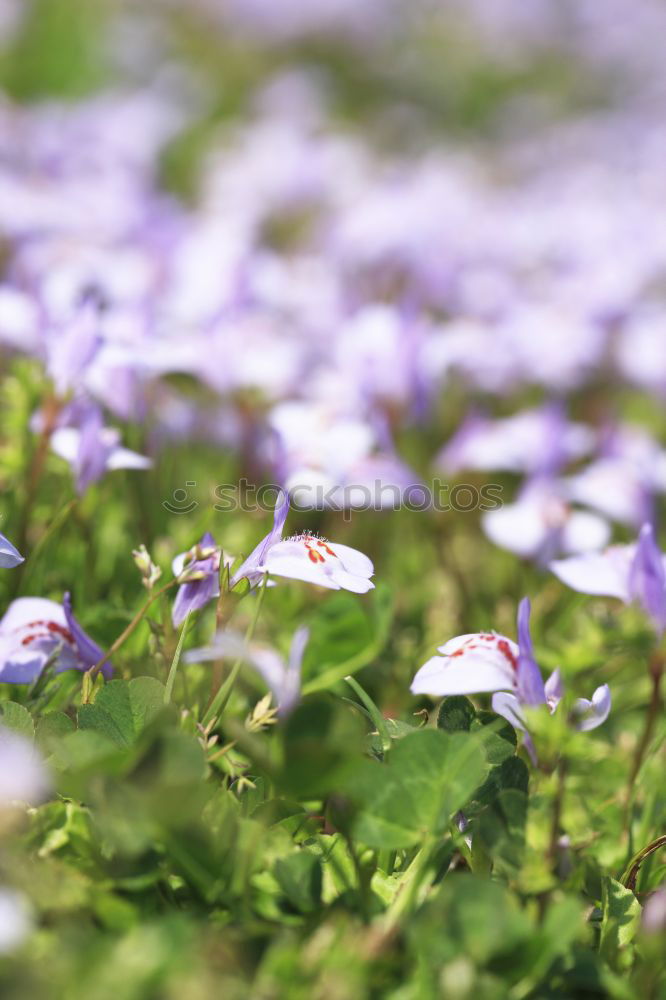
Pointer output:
x,y
249,570
283,677
541,523
35,632
198,572
537,441
634,573
9,554
486,661
72,346
93,449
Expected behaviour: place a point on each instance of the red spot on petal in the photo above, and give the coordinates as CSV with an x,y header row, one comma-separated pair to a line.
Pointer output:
x,y
61,631
322,545
505,650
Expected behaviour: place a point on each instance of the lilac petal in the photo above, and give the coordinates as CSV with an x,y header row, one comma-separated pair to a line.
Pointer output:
x,y
590,713
250,569
73,347
23,666
89,652
125,458
554,690
647,580
509,707
529,680
193,596
602,574
297,648
33,631
9,554
92,452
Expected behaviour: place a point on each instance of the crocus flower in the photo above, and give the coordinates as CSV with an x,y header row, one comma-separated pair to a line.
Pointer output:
x,y
198,572
306,557
486,661
634,573
9,554
35,632
283,677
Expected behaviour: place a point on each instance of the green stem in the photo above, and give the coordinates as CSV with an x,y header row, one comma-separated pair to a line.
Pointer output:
x,y
373,712
125,634
176,660
408,895
630,875
220,700
653,712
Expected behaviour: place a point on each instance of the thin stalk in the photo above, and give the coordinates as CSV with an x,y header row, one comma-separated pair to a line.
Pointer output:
x,y
556,820
125,634
220,700
373,712
176,660
653,712
408,895
50,411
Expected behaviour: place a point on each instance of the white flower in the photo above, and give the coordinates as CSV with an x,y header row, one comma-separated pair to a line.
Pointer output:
x,y
316,560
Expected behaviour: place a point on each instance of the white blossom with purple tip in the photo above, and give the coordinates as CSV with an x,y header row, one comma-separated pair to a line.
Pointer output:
x,y
35,632
306,557
488,662
91,449
634,573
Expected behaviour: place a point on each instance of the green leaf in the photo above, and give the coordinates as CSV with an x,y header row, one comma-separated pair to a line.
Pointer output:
x,y
456,714
51,728
123,709
430,775
17,718
323,741
500,741
501,829
300,878
620,922
344,638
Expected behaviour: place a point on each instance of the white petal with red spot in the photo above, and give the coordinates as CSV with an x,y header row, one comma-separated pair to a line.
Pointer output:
x,y
471,663
315,560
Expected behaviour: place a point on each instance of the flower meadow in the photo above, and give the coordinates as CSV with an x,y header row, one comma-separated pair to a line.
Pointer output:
x,y
332,476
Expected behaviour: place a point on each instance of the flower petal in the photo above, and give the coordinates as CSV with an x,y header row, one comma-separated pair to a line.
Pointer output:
x,y
508,706
603,574
88,650
554,690
590,713
647,579
9,554
474,663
